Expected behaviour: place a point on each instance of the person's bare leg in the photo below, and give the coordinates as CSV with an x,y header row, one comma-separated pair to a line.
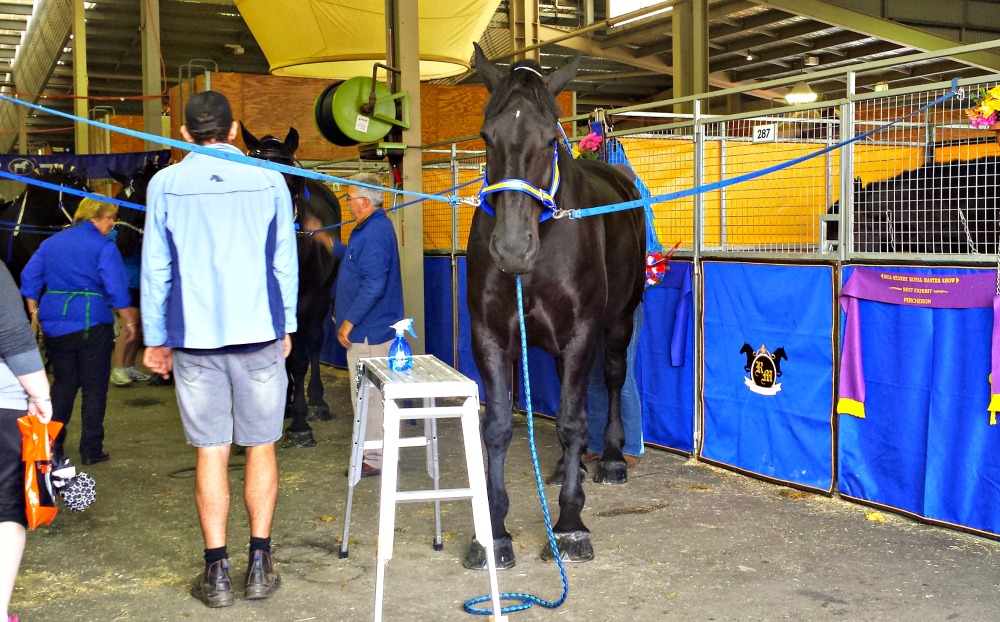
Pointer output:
x,y
260,489
261,494
131,350
12,544
211,493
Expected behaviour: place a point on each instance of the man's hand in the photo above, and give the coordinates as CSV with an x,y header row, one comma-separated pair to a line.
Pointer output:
x,y
344,333
312,224
159,360
286,345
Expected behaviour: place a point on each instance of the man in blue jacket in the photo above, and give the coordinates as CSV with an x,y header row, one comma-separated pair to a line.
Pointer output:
x,y
369,294
219,290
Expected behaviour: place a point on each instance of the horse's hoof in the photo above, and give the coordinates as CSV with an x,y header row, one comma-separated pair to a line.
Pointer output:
x,y
295,440
611,472
319,413
573,547
503,554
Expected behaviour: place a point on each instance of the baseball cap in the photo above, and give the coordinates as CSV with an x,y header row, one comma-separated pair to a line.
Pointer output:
x,y
207,110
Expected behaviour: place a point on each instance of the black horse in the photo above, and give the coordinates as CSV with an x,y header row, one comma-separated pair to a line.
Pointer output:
x,y
132,221
579,276
37,213
944,207
314,203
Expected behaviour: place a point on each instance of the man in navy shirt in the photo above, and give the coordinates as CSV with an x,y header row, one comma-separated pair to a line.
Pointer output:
x,y
369,295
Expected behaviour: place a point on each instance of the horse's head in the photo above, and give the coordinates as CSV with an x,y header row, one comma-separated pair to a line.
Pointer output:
x,y
131,221
521,132
134,184
276,150
56,206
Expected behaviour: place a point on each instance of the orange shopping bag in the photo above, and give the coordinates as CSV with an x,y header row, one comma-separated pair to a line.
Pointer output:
x,y
36,451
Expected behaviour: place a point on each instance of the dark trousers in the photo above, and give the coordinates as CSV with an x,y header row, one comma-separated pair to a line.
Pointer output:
x,y
12,507
79,363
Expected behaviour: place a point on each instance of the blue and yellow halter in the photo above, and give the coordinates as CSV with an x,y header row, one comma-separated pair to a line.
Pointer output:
x,y
547,199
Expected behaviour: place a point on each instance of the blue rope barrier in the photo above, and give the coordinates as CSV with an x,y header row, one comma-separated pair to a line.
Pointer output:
x,y
529,599
215,153
69,190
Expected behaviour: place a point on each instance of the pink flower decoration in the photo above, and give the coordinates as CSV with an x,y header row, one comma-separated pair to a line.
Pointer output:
x,y
984,122
590,142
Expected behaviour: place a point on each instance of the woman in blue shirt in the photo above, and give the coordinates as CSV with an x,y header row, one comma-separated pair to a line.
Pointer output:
x,y
82,276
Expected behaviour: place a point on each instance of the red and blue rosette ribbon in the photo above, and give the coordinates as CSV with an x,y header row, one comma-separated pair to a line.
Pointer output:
x,y
656,265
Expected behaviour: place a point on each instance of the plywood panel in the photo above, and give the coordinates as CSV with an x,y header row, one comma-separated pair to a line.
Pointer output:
x,y
271,105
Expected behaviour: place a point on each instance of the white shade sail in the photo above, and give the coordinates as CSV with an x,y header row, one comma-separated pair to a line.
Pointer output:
x,y
340,39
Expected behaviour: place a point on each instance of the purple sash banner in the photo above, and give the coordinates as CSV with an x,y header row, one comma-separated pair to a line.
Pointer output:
x,y
934,291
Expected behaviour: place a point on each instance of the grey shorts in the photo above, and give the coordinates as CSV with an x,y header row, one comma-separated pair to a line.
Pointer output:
x,y
232,397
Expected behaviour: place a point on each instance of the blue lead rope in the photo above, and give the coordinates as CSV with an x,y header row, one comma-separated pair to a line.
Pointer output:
x,y
527,600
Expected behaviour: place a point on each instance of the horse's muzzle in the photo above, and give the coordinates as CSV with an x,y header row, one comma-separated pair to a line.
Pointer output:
x,y
518,258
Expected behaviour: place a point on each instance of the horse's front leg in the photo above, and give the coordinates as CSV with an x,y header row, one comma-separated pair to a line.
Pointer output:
x,y
497,430
318,409
572,536
298,433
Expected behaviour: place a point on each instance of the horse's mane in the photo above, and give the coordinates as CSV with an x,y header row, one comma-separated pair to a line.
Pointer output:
x,y
66,177
526,83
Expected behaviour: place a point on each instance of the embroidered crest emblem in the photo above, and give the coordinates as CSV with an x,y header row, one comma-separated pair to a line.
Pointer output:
x,y
21,166
764,368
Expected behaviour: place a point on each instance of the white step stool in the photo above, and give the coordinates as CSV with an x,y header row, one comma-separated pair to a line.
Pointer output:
x,y
428,379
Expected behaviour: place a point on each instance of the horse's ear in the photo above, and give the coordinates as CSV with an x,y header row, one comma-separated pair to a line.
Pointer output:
x,y
557,80
292,141
249,139
488,71
119,177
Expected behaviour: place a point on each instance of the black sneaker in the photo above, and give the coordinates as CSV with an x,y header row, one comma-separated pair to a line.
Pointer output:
x,y
215,587
262,580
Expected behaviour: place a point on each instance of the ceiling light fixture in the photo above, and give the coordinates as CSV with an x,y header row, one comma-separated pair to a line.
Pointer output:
x,y
750,55
881,86
810,61
800,94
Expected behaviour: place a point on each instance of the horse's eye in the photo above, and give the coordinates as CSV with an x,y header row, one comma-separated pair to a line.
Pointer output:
x,y
485,138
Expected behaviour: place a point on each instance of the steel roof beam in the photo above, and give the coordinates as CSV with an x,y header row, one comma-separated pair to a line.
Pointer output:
x,y
885,29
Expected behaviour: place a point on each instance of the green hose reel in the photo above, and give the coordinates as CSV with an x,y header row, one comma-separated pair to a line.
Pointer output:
x,y
360,110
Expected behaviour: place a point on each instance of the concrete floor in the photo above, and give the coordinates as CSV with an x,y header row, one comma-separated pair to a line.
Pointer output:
x,y
680,541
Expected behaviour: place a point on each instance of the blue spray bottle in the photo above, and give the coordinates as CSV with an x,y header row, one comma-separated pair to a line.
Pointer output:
x,y
400,358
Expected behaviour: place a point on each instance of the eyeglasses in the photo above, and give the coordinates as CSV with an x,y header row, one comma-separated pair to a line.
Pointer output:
x,y
350,198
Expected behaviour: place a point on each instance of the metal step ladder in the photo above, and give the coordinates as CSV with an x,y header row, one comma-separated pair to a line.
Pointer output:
x,y
427,381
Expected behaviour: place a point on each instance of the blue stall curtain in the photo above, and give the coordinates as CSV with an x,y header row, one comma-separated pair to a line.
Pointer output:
x,y
665,361
768,383
925,446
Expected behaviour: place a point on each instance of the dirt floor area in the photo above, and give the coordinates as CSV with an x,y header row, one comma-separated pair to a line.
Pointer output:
x,y
679,541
